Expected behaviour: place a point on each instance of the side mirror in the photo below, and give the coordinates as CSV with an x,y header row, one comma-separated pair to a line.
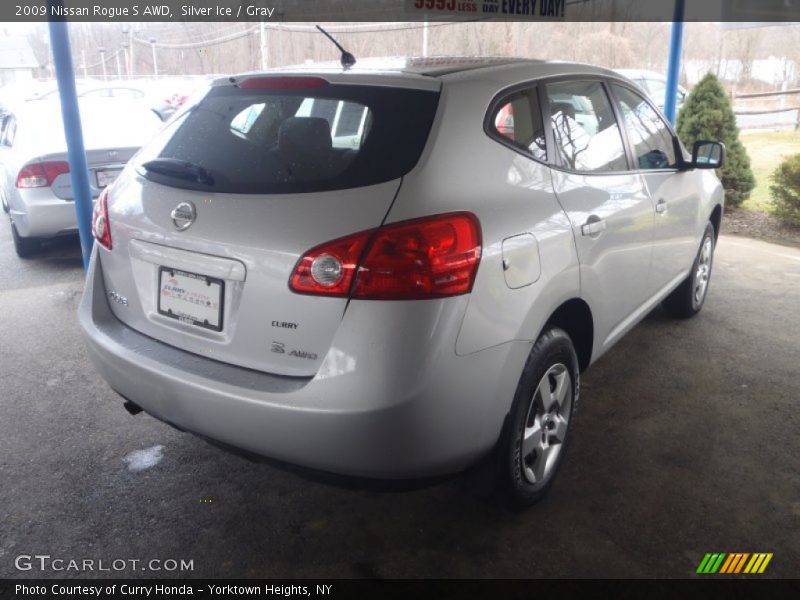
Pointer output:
x,y
708,155
160,114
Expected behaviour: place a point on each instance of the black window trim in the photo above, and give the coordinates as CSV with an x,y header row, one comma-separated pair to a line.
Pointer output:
x,y
539,86
499,99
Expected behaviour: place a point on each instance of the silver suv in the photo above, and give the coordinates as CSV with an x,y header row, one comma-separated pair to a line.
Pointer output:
x,y
393,270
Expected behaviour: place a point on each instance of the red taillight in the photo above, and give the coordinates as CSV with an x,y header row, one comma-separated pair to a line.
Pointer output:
x,y
41,174
282,83
421,259
101,229
424,258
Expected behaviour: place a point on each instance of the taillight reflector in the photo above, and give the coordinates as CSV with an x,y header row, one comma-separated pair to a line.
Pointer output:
x,y
432,257
345,251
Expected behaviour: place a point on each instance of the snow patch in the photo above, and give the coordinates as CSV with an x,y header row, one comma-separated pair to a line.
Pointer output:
x,y
139,460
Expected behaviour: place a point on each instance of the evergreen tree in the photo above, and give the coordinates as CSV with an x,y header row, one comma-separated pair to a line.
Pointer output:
x,y
707,114
785,190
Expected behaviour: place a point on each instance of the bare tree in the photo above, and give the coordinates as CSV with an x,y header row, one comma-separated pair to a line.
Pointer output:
x,y
745,45
201,48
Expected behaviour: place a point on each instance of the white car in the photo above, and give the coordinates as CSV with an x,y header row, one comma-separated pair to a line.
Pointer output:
x,y
35,185
393,272
655,84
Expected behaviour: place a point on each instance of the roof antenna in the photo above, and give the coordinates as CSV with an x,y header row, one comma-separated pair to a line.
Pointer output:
x,y
347,60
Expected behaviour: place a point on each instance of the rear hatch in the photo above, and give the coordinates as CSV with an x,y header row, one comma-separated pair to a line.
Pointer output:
x,y
210,219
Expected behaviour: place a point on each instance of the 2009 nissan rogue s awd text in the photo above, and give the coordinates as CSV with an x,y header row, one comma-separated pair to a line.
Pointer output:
x,y
393,270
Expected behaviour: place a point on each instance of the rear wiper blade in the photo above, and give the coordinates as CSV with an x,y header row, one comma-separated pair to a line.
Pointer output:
x,y
181,169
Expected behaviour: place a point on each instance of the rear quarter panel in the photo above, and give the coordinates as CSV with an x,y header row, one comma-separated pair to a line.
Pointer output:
x,y
712,195
464,169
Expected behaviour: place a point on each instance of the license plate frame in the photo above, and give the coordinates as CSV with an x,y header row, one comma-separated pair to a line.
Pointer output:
x,y
104,177
191,291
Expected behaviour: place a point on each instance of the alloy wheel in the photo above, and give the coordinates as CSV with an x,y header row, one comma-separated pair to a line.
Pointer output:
x,y
703,271
546,425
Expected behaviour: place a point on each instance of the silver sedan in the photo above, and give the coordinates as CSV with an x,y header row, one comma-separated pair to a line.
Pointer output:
x,y
35,185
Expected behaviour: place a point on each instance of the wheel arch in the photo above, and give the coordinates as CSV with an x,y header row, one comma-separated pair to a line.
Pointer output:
x,y
575,317
716,220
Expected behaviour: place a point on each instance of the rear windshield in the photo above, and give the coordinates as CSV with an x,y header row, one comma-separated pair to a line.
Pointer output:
x,y
291,141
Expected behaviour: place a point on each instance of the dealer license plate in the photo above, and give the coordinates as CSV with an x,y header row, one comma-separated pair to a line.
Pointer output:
x,y
106,177
191,298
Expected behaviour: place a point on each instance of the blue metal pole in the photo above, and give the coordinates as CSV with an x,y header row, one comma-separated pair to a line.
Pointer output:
x,y
78,168
674,67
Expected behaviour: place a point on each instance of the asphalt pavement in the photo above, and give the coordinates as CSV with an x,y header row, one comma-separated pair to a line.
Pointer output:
x,y
687,443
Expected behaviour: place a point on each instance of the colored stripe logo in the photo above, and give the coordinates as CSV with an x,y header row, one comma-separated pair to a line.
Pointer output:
x,y
733,563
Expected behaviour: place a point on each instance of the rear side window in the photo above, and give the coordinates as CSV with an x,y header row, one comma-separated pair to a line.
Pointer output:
x,y
295,140
650,138
587,136
517,122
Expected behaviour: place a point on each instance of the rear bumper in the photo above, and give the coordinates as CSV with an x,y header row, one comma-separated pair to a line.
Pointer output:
x,y
39,213
371,411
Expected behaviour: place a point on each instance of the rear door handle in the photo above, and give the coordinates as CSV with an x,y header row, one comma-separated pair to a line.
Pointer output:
x,y
594,226
661,206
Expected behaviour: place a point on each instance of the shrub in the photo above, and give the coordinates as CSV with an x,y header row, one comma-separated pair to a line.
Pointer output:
x,y
785,190
707,114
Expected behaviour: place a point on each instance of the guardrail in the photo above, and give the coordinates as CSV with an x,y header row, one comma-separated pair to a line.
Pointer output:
x,y
743,112
766,94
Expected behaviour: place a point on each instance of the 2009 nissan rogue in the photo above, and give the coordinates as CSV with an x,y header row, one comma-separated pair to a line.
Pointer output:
x,y
391,271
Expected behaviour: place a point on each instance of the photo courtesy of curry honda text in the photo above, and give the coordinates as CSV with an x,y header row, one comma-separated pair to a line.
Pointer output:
x,y
396,270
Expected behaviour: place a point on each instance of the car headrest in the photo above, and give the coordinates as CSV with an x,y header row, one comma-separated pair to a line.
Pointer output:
x,y
565,108
304,135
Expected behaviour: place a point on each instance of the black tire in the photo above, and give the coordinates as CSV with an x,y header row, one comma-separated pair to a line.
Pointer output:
x,y
684,302
25,247
552,351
